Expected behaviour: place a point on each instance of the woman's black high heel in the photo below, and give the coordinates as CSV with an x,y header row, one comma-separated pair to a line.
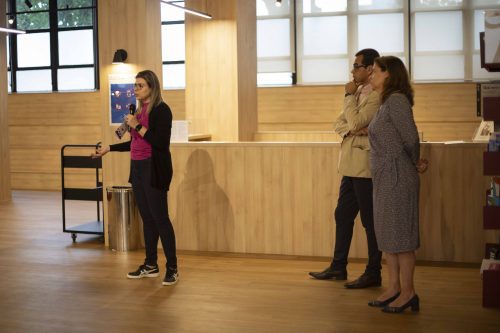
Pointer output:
x,y
381,304
414,303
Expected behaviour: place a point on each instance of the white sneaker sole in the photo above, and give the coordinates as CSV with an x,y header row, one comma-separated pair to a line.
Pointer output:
x,y
143,276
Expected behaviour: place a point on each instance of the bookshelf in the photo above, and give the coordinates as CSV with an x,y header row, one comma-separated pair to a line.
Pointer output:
x,y
491,214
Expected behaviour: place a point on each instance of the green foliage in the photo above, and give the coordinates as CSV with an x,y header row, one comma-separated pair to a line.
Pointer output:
x,y
37,5
73,3
33,21
75,18
38,18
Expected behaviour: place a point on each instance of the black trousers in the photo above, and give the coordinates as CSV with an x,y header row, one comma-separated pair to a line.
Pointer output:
x,y
152,204
355,196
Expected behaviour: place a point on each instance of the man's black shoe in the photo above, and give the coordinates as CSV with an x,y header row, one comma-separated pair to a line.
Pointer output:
x,y
365,281
329,274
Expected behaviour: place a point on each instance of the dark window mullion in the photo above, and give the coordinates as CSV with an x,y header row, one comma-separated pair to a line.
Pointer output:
x,y
13,51
33,12
33,68
174,62
172,22
34,31
83,27
74,8
54,43
13,62
76,66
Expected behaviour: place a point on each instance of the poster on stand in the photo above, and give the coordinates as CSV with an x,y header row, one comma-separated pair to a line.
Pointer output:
x,y
121,95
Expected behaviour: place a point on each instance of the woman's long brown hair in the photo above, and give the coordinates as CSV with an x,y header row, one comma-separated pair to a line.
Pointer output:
x,y
398,80
154,84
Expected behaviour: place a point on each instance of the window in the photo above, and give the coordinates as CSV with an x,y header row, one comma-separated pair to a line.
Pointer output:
x,y
327,34
47,58
173,46
314,41
439,45
275,41
437,39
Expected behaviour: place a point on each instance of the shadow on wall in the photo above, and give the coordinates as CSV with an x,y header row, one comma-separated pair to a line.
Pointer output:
x,y
205,219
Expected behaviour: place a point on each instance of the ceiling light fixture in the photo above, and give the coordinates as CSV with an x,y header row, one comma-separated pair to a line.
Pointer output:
x,y
278,3
119,57
187,10
12,31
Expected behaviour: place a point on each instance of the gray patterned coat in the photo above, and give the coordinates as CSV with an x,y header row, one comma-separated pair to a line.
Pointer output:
x,y
395,150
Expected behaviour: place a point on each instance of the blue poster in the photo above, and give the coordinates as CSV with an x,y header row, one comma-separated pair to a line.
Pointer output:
x,y
122,95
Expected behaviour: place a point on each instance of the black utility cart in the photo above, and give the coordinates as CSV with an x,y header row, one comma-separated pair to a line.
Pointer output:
x,y
95,227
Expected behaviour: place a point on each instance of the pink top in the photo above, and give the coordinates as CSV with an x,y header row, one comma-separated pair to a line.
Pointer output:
x,y
140,149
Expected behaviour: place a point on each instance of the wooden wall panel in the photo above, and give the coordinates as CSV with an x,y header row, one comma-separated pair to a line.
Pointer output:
x,y
55,109
5,182
431,131
226,197
447,131
300,136
303,114
301,104
39,125
53,136
280,199
445,102
451,202
442,111
40,169
176,100
246,48
221,62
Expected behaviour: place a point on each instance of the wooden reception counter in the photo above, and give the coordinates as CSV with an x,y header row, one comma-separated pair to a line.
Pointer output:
x,y
279,198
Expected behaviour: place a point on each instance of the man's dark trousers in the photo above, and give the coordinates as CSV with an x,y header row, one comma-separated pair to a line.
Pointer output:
x,y
356,195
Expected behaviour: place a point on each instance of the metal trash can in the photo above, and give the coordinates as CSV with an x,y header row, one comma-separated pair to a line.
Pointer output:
x,y
124,222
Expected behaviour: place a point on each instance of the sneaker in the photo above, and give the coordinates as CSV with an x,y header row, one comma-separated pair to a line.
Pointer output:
x,y
171,277
144,271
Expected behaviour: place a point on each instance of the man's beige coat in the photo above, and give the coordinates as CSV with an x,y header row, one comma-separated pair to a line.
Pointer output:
x,y
355,151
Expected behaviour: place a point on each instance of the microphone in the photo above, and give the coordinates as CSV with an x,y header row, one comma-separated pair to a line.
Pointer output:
x,y
131,109
124,128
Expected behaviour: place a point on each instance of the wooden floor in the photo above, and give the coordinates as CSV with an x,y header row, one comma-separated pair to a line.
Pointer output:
x,y
49,284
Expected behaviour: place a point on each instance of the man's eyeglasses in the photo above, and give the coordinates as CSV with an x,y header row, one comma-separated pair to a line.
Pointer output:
x,y
356,66
139,85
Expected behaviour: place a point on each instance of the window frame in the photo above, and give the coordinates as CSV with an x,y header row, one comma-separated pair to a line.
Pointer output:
x,y
408,9
292,18
53,31
172,62
353,11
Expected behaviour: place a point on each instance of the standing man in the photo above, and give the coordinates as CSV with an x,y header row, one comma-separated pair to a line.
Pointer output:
x,y
361,103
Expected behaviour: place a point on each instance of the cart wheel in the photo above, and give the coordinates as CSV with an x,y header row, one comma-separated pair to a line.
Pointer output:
x,y
73,236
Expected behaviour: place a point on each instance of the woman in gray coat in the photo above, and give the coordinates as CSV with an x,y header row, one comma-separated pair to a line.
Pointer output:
x,y
395,163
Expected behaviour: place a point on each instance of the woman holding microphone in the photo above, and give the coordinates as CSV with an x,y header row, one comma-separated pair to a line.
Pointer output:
x,y
151,173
